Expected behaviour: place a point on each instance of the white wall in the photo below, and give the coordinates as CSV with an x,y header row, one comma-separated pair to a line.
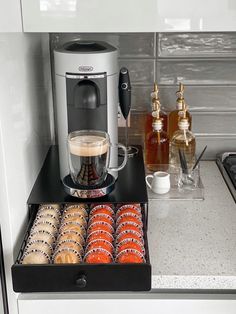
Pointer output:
x,y
26,131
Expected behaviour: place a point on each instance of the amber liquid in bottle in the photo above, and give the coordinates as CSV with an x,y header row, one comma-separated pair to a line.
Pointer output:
x,y
157,149
149,120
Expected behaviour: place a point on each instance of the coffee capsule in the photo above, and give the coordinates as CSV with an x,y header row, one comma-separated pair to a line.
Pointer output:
x,y
75,218
70,244
130,243
71,235
52,219
45,226
130,256
101,217
73,226
100,243
98,256
67,256
100,234
130,217
100,225
129,226
127,234
42,235
39,245
49,210
35,257
80,209
102,209
127,209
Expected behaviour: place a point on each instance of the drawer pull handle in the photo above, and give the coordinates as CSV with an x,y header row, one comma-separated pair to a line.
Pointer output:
x,y
81,282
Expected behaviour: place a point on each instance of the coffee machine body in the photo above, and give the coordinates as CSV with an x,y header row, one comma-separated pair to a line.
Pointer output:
x,y
86,76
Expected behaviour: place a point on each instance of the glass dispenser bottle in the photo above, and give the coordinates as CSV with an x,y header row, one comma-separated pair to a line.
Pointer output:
x,y
163,114
175,115
157,144
183,140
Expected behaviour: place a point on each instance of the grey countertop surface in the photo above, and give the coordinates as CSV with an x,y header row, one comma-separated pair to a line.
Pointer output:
x,y
193,243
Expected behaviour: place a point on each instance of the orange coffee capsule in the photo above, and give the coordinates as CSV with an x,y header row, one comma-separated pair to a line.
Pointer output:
x,y
130,256
129,226
100,243
101,217
127,234
100,234
100,225
129,209
130,217
130,243
98,256
102,209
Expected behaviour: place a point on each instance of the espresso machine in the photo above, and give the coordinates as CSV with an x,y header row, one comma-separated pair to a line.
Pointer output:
x,y
86,76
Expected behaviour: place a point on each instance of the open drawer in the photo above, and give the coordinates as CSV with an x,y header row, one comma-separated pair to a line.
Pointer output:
x,y
82,276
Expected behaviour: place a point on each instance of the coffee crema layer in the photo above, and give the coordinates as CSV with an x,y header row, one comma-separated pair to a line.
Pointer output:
x,y
88,145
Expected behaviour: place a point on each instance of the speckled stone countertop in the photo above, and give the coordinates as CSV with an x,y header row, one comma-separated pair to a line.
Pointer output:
x,y
193,243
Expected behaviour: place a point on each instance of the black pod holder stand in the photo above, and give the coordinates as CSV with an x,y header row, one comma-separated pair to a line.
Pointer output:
x,y
130,188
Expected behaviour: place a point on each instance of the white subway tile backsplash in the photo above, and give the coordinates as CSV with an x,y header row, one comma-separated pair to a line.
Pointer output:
x,y
195,71
196,45
141,71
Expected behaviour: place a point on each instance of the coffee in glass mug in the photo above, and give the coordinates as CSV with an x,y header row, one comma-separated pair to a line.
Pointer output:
x,y
89,155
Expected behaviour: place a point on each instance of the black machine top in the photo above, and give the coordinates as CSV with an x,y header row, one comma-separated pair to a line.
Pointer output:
x,y
130,185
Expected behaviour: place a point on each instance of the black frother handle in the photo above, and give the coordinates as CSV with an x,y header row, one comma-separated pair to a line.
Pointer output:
x,y
124,92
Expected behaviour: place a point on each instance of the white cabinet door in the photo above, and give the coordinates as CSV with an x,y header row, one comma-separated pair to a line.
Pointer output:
x,y
127,303
88,15
128,15
10,16
192,15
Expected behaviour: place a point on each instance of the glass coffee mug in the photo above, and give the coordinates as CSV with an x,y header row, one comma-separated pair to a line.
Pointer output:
x,y
89,157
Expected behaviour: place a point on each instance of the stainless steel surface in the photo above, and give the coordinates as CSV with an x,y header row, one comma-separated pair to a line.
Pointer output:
x,y
100,63
220,159
84,193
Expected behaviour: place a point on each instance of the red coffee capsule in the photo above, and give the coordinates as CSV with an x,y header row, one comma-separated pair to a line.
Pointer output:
x,y
126,209
100,243
129,226
98,256
102,209
101,217
130,256
100,234
130,243
130,217
100,225
127,234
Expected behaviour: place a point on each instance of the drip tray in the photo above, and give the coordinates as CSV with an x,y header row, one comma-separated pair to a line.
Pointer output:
x,y
81,192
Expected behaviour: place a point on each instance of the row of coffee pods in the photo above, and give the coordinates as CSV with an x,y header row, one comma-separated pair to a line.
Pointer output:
x,y
40,243
72,233
100,235
129,235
